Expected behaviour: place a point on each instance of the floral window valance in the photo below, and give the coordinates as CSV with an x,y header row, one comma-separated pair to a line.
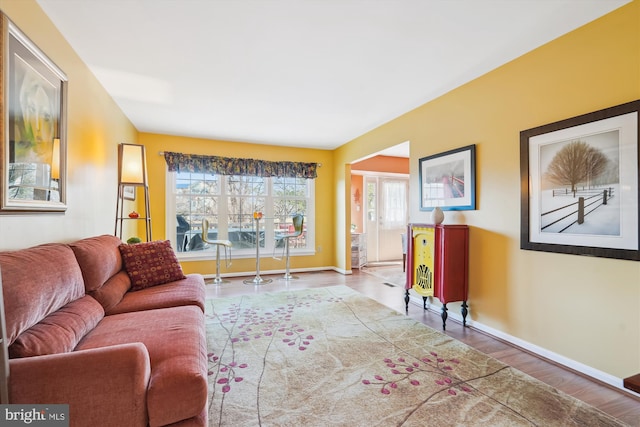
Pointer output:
x,y
179,162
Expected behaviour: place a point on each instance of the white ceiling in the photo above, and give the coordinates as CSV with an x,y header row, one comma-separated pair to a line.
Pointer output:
x,y
304,73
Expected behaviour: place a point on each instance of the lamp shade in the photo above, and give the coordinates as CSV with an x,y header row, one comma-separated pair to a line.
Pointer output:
x,y
132,167
55,159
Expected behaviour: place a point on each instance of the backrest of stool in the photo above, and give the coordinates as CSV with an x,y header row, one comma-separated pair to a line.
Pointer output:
x,y
298,221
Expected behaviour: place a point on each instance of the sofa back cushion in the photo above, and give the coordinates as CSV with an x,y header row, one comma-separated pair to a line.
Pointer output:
x,y
37,282
60,331
99,259
113,291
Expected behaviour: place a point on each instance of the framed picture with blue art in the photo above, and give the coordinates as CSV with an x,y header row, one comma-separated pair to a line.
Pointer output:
x,y
579,185
448,180
33,123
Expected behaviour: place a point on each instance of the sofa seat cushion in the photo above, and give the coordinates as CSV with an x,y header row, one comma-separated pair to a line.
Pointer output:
x,y
151,263
37,282
188,291
176,341
60,331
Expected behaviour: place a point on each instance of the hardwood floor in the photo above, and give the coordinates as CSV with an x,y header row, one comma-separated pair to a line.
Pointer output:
x,y
617,403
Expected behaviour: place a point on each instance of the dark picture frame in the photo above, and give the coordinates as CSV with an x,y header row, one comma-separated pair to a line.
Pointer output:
x,y
448,180
580,185
33,144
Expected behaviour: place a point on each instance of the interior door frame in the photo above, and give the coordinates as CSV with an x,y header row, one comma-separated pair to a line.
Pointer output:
x,y
372,236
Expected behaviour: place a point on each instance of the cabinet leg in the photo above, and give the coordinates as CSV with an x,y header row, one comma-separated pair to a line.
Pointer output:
x,y
464,310
406,300
424,303
444,317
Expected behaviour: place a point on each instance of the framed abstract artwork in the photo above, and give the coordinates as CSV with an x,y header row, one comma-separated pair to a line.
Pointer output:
x,y
448,180
579,185
33,122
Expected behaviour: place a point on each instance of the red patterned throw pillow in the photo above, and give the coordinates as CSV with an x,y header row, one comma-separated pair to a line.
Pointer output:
x,y
149,264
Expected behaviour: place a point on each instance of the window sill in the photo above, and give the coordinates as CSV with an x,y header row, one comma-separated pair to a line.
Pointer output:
x,y
208,255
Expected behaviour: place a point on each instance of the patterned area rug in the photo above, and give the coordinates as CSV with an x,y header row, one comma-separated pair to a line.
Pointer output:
x,y
332,357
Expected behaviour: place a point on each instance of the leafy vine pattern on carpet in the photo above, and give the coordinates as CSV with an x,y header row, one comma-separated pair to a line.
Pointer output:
x,y
332,357
401,370
250,323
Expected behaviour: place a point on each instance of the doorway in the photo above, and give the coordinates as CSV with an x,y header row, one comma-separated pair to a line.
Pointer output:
x,y
386,216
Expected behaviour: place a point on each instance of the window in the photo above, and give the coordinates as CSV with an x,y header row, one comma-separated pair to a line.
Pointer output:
x,y
228,203
394,209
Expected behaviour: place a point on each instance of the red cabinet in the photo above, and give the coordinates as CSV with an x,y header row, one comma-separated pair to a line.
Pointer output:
x,y
438,265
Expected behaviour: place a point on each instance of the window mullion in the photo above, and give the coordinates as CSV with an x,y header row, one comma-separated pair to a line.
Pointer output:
x,y
269,233
223,209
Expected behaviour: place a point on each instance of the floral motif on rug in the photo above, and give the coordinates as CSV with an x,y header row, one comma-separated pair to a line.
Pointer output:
x,y
333,357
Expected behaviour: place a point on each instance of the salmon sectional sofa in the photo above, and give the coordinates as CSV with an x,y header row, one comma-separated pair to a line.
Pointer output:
x,y
115,331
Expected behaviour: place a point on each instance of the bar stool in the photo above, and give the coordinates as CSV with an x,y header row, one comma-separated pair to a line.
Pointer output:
x,y
298,221
225,243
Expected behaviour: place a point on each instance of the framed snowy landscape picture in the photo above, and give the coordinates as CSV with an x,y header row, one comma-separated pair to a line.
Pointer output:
x,y
580,185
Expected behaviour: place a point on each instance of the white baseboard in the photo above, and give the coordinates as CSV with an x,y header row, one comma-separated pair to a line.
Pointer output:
x,y
532,348
279,271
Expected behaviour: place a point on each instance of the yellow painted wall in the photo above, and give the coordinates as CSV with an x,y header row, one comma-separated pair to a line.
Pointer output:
x,y
324,219
95,126
585,309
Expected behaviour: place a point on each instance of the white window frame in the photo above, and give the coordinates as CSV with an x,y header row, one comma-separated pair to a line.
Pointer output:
x,y
268,251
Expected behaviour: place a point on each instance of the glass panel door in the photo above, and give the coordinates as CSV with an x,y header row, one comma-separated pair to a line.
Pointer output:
x,y
393,217
386,217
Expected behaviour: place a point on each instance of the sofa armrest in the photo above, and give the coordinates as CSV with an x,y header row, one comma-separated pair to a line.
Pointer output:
x,y
103,386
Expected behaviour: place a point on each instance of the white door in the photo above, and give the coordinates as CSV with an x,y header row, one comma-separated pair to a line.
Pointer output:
x,y
386,217
371,217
